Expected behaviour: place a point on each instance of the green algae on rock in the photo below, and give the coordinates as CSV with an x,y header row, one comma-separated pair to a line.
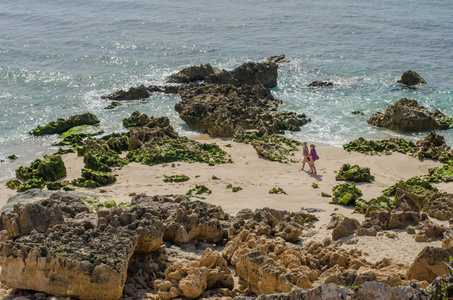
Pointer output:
x,y
113,104
354,173
437,174
62,125
12,157
361,145
32,183
13,184
140,120
50,168
199,189
176,178
234,188
58,185
382,202
277,190
345,194
101,155
273,147
93,179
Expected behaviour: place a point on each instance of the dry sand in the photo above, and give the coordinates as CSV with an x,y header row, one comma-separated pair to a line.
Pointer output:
x,y
257,176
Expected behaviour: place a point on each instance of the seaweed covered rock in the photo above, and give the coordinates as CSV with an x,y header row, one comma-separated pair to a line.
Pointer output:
x,y
411,78
407,115
379,146
198,190
354,173
62,125
103,154
91,178
416,189
134,93
50,168
273,223
176,178
191,280
147,136
432,146
345,194
13,184
437,174
32,183
54,186
140,120
381,202
194,73
247,74
273,147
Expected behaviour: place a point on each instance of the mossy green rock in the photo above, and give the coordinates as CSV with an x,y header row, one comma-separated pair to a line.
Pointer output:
x,y
32,183
345,194
91,178
379,146
13,184
382,202
50,168
179,149
176,178
354,173
58,185
199,189
419,190
62,125
277,190
437,174
12,157
83,131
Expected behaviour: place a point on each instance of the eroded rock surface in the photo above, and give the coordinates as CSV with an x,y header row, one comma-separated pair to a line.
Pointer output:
x,y
407,115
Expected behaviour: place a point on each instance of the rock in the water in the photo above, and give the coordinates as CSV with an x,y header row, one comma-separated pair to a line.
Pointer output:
x,y
407,115
113,105
430,263
134,93
279,59
320,83
62,125
191,74
247,74
411,78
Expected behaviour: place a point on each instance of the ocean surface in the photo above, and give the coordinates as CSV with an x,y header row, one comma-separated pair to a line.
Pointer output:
x,y
58,57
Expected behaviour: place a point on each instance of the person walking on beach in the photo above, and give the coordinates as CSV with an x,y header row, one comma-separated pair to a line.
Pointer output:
x,y
305,153
313,157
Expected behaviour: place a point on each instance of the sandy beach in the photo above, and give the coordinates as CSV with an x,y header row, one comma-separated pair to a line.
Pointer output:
x,y
256,176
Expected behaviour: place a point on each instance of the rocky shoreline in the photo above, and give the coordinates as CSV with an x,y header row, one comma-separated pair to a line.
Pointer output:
x,y
99,236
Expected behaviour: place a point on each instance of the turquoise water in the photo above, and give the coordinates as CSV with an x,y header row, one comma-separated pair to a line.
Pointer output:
x,y
58,57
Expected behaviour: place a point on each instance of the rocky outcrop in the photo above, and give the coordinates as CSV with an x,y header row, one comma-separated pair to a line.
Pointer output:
x,y
223,109
432,146
134,93
62,125
247,74
274,223
440,208
191,280
430,263
85,258
411,78
141,120
191,74
407,115
346,226
50,168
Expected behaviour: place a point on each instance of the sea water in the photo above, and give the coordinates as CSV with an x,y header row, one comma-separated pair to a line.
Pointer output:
x,y
58,57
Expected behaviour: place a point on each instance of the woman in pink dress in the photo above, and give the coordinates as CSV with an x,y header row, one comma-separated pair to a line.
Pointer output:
x,y
313,157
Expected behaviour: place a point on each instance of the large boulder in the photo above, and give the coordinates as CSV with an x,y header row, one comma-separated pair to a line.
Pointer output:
x,y
430,263
411,78
50,168
407,115
440,208
346,226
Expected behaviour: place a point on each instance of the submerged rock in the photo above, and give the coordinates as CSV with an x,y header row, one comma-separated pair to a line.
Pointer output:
x,y
62,125
279,59
320,83
407,115
411,78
